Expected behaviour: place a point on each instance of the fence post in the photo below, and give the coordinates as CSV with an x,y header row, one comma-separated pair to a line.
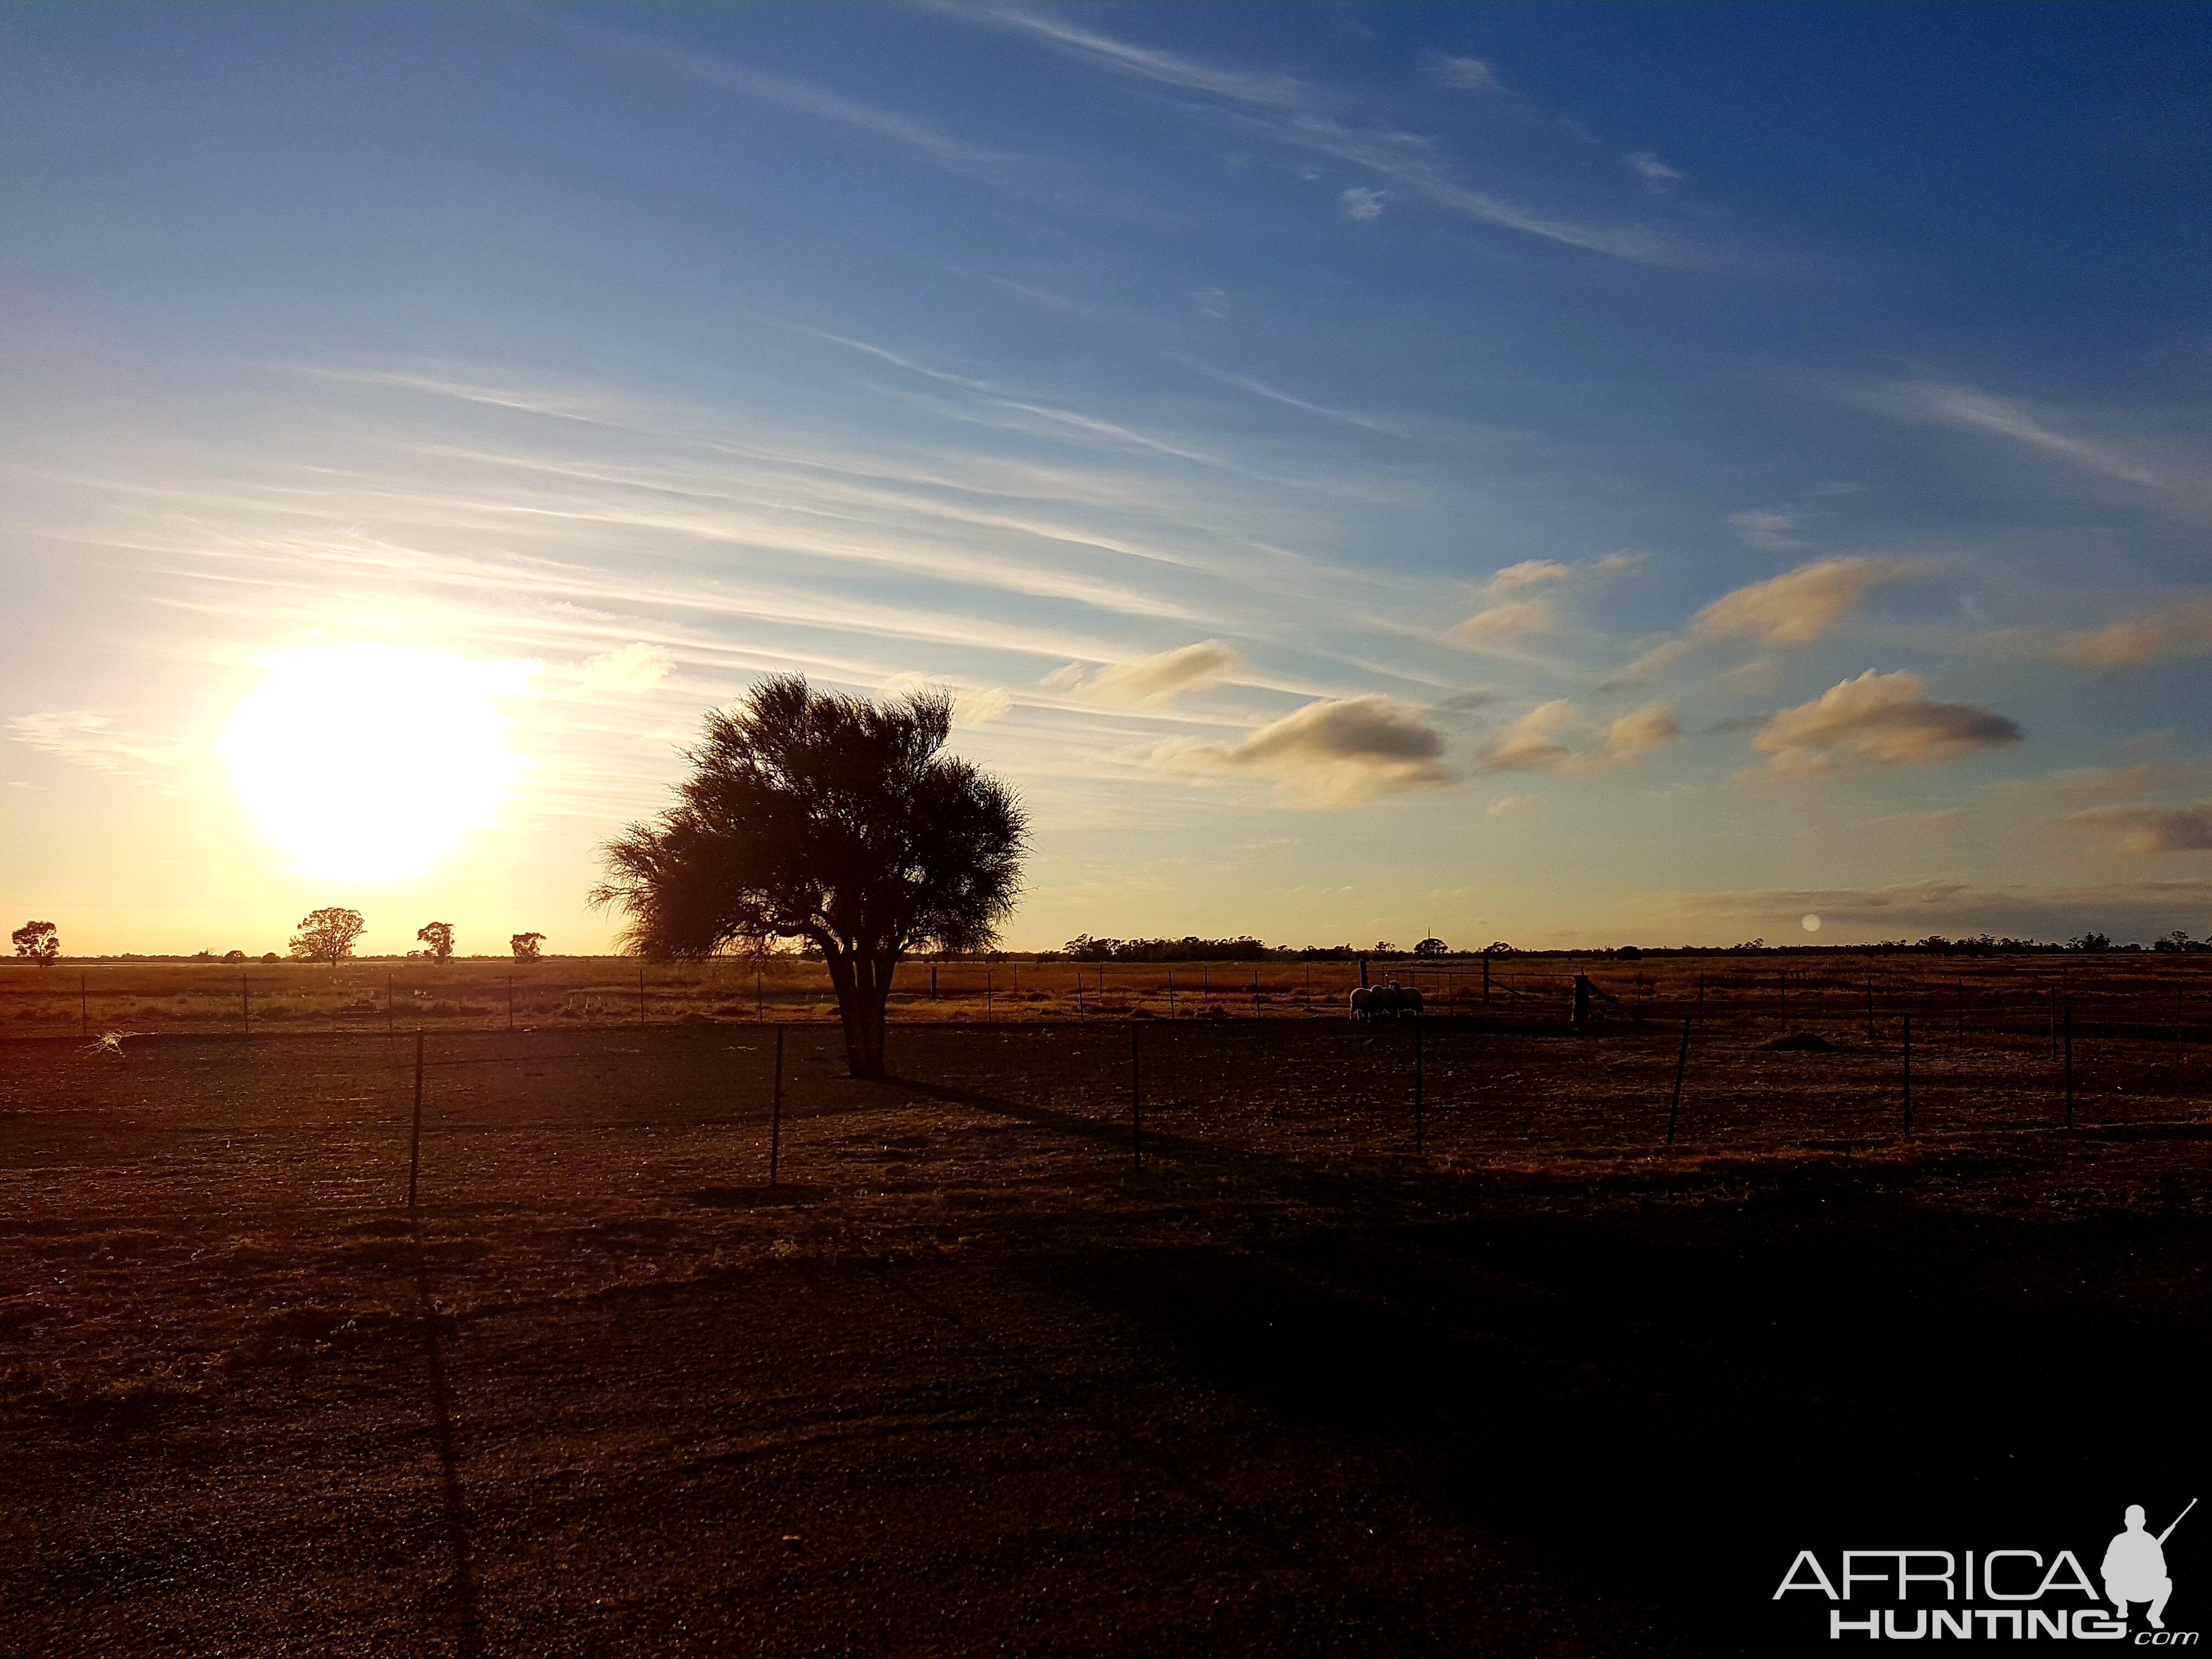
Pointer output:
x,y
988,1015
2067,1026
1962,1013
1908,1074
510,1002
1079,994
414,1135
83,1009
245,1006
1682,1063
1869,979
640,994
775,1111
1255,994
1170,993
1136,1102
932,981
1485,975
760,997
2176,1034
1418,1023
387,1005
2054,1025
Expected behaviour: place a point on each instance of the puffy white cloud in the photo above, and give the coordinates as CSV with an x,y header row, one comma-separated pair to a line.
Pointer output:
x,y
1532,743
1885,719
1337,752
1795,608
1536,743
1362,203
981,708
635,667
1505,617
1652,727
2141,830
1515,619
1150,682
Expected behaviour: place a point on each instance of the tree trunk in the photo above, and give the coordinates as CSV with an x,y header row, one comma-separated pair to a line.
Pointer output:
x,y
863,986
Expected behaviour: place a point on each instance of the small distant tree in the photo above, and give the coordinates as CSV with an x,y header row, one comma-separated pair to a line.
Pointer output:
x,y
828,819
233,956
439,936
327,935
38,941
1497,947
1432,946
527,947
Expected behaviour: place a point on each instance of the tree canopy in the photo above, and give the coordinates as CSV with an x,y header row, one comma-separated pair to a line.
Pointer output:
x,y
828,819
40,941
327,935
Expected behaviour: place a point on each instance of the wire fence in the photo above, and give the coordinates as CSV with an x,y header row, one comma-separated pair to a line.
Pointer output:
x,y
2143,992
743,1108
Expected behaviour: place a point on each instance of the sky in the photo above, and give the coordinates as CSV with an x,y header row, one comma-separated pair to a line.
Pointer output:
x,y
1570,475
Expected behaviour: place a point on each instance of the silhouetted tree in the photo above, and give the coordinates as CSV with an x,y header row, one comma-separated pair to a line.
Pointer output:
x,y
1432,946
40,941
327,935
439,936
526,946
831,820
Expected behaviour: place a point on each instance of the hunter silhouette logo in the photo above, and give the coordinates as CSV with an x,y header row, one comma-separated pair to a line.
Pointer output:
x,y
2135,1566
1998,1594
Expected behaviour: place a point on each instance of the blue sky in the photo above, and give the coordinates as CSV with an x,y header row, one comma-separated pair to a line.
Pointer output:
x,y
1569,474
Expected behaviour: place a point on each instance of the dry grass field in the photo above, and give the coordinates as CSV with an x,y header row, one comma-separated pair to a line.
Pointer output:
x,y
375,996
970,1379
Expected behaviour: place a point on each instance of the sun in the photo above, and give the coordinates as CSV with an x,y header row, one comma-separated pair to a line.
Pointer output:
x,y
369,762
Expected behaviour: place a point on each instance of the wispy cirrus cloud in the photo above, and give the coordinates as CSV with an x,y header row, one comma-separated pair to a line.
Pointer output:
x,y
96,741
2181,626
1465,74
1771,530
1298,115
1965,409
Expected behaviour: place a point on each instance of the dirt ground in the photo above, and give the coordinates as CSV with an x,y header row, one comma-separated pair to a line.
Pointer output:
x,y
969,1380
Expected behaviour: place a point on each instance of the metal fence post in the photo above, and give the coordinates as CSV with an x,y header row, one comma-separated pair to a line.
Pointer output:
x,y
414,1135
775,1111
1681,1062
1908,1074
245,1006
1418,1023
2066,1026
1136,1101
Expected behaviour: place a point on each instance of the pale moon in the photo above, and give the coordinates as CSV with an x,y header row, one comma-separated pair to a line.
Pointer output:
x,y
369,762
1810,924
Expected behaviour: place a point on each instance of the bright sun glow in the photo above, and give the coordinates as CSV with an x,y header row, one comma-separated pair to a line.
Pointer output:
x,y
369,762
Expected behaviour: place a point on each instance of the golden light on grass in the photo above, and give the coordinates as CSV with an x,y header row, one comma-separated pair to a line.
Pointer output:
x,y
369,762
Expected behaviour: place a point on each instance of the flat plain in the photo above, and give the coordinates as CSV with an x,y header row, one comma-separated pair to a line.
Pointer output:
x,y
1322,1374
